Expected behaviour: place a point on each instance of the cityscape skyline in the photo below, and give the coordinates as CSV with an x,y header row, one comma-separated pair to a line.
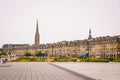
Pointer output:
x,y
58,20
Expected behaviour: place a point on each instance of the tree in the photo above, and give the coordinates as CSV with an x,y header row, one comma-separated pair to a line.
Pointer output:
x,y
2,52
38,53
28,54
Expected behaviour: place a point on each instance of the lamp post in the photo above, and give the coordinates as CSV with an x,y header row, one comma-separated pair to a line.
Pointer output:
x,y
0,55
88,46
88,49
52,50
76,44
104,51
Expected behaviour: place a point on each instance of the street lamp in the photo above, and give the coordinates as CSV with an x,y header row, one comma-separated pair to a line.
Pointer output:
x,y
52,50
103,52
88,50
0,53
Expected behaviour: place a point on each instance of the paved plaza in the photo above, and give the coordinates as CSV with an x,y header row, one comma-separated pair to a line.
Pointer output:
x,y
98,71
59,71
36,71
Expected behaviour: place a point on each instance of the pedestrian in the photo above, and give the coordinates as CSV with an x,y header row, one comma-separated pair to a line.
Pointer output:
x,y
3,60
6,60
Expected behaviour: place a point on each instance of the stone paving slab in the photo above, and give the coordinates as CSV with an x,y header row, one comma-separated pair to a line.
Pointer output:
x,y
74,73
34,71
98,71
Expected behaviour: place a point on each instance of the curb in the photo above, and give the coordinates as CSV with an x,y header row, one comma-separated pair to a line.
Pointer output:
x,y
84,77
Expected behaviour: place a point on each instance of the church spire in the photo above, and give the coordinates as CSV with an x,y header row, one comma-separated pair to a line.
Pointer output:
x,y
37,35
89,37
37,27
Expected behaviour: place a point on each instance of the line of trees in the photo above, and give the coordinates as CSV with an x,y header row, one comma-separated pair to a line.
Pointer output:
x,y
38,54
2,52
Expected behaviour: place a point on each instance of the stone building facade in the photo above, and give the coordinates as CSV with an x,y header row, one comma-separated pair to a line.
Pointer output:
x,y
100,47
108,46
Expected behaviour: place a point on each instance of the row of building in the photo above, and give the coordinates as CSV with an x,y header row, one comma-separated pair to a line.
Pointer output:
x,y
105,47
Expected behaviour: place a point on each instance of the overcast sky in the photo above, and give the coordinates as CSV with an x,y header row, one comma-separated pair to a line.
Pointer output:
x,y
58,20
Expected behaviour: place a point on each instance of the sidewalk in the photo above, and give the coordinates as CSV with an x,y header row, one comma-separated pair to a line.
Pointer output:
x,y
98,71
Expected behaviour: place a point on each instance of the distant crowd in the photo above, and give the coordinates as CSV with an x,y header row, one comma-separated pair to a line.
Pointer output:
x,y
6,59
